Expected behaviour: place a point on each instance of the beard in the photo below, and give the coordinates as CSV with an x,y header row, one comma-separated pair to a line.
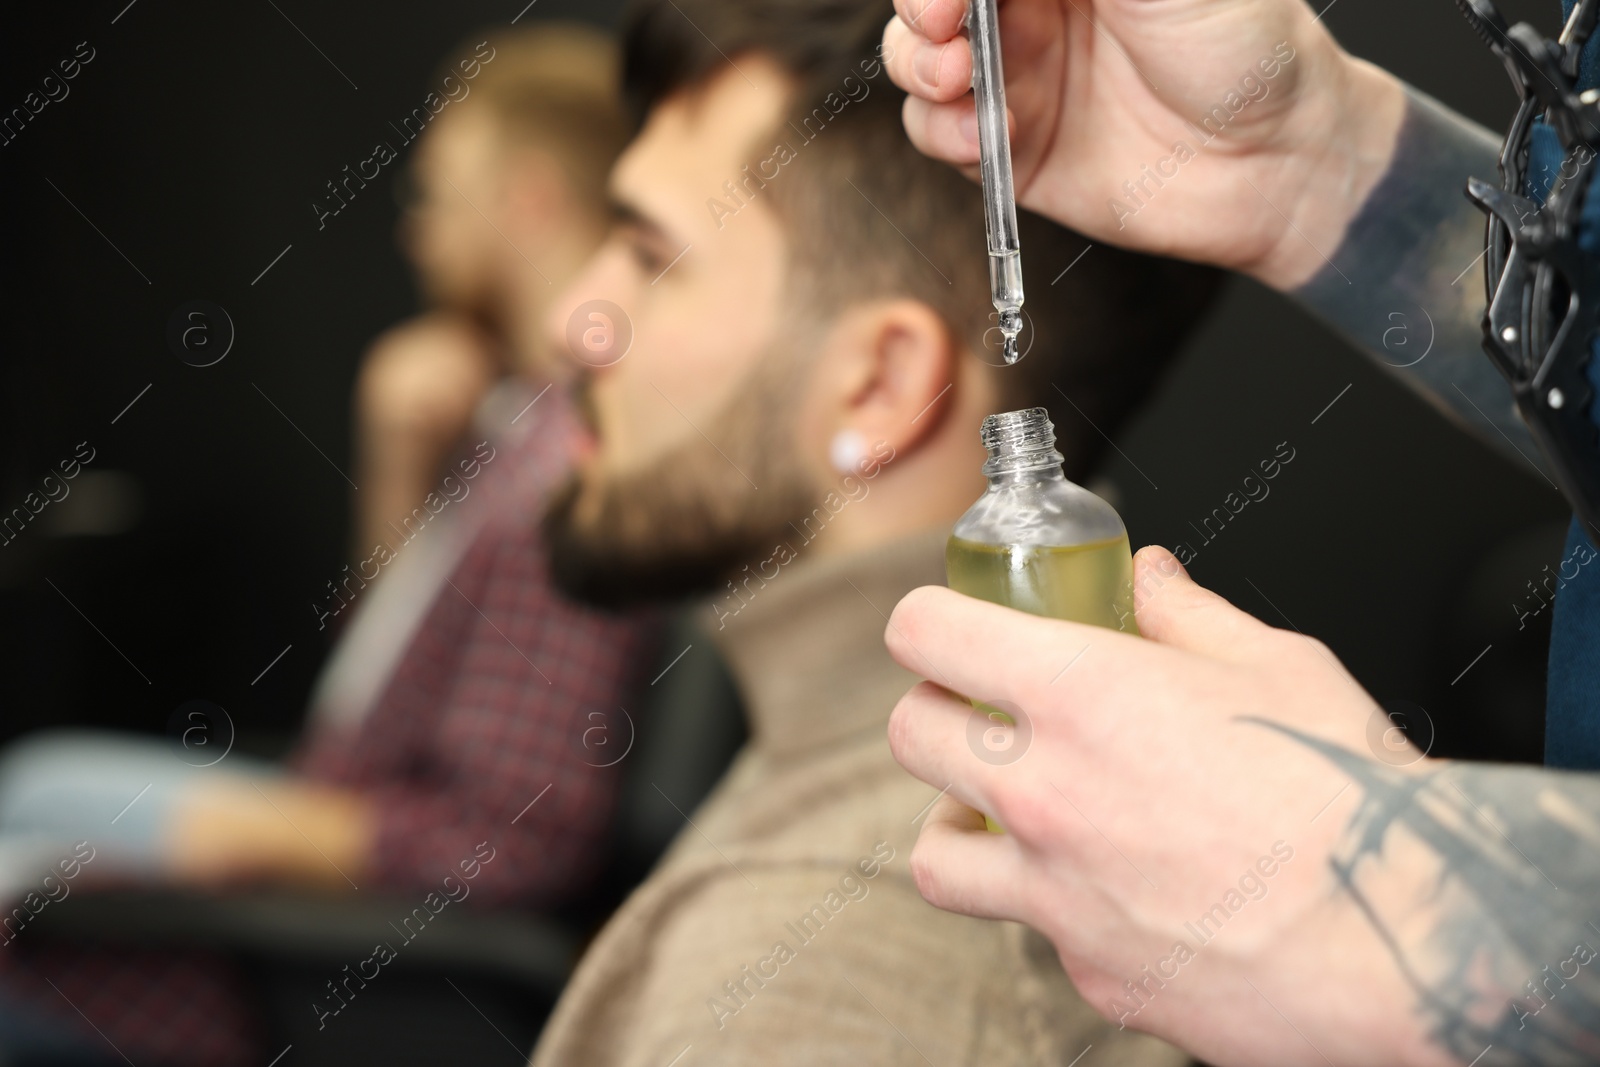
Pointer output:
x,y
676,528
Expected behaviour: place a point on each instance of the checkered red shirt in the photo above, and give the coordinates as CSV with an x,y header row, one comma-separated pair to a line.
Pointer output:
x,y
489,711
478,736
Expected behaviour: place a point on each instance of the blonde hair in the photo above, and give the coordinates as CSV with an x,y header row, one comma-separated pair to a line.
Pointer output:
x,y
555,86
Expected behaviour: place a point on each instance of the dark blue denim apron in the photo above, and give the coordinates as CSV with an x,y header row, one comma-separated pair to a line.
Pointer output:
x,y
1572,707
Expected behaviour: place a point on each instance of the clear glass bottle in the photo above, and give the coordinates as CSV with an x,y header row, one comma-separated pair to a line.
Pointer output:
x,y
1035,541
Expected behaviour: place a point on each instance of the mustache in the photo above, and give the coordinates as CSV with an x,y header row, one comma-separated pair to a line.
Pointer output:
x,y
675,528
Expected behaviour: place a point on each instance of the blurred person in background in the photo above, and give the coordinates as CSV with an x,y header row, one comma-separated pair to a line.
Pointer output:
x,y
462,684
792,434
501,207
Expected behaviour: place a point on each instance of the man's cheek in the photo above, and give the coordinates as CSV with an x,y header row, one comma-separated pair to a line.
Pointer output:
x,y
628,432
619,414
646,420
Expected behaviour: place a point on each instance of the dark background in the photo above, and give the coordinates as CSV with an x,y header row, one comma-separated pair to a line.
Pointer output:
x,y
192,549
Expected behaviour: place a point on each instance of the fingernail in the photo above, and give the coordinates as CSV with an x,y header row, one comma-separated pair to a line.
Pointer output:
x,y
967,125
926,64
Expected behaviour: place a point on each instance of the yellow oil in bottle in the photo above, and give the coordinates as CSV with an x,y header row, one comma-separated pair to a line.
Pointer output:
x,y
1090,583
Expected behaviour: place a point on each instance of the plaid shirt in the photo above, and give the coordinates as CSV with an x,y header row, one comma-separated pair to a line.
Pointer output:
x,y
478,736
490,708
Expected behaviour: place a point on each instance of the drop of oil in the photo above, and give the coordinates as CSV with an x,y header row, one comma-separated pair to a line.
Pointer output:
x,y
1010,327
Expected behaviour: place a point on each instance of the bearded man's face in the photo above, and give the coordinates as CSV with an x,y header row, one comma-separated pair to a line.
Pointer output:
x,y
693,378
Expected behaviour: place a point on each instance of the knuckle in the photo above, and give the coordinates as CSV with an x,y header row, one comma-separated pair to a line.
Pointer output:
x,y
1320,649
1308,652
914,117
1093,985
900,727
1285,644
925,873
1097,988
909,614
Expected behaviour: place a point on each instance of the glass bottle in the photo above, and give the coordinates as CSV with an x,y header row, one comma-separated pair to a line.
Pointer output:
x,y
1037,542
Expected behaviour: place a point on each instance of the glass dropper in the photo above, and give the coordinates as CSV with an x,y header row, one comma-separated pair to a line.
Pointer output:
x,y
994,152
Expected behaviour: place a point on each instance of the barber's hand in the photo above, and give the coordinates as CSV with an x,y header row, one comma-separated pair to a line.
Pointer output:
x,y
1162,781
1261,137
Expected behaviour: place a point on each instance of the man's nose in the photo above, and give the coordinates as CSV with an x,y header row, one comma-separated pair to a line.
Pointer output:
x,y
590,332
599,333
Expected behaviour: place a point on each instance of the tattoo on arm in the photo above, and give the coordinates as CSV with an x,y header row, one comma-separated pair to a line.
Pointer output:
x,y
1506,971
1407,285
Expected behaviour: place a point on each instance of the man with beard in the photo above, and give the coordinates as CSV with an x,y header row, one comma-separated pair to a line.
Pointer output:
x,y
792,429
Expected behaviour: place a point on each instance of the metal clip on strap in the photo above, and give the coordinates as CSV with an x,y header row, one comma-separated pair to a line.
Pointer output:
x,y
1543,287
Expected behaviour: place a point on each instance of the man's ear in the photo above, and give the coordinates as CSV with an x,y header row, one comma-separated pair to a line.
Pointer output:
x,y
890,370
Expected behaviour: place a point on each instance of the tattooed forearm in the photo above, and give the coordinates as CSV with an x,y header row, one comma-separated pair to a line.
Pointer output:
x,y
1503,949
1406,283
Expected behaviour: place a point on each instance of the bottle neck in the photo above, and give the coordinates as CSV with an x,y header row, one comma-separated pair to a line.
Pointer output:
x,y
1027,476
1022,448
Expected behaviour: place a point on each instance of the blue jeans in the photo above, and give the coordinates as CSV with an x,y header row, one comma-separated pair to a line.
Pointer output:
x,y
115,791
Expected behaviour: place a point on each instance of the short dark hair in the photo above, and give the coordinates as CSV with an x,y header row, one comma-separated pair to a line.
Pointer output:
x,y
872,216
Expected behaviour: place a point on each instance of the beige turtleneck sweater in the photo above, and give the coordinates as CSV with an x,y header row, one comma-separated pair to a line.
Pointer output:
x,y
783,926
